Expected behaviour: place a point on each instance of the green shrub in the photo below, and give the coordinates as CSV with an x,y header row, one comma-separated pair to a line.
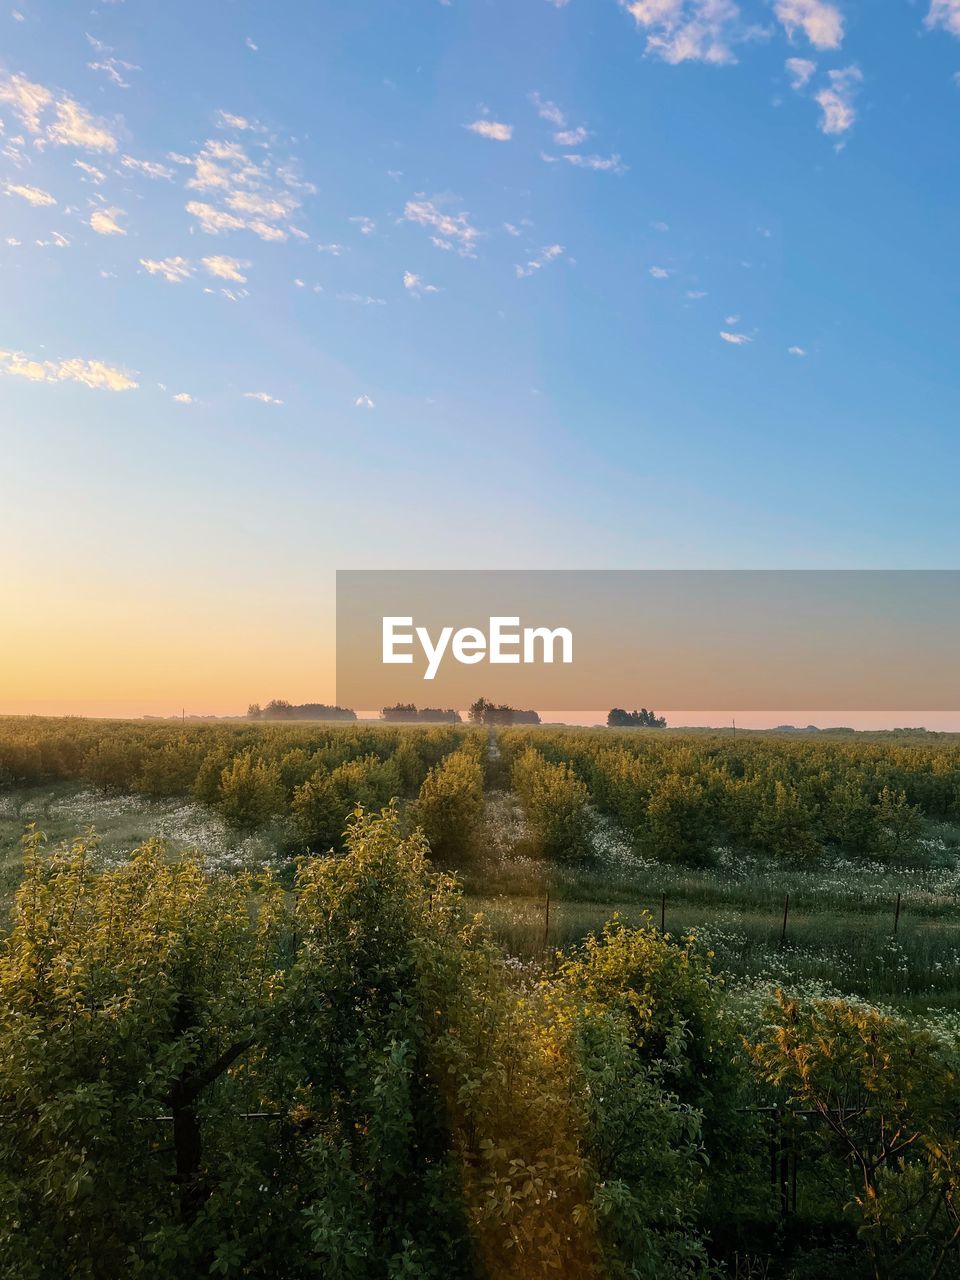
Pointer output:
x,y
250,792
555,801
450,806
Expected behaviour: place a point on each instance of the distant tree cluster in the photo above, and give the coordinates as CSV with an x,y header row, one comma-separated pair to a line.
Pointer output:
x,y
642,719
484,712
407,713
280,709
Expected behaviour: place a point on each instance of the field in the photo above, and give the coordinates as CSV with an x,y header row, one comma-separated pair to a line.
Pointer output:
x,y
843,931
826,868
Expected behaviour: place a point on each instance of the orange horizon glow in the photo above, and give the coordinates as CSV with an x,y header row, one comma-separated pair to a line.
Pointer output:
x,y
171,709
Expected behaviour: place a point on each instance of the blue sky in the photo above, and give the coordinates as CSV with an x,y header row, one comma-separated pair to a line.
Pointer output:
x,y
490,283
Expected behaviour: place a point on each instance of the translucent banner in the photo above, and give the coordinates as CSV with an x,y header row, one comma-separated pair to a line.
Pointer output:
x,y
714,639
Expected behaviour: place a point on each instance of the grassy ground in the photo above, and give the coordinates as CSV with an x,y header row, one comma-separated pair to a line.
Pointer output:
x,y
840,926
842,932
65,810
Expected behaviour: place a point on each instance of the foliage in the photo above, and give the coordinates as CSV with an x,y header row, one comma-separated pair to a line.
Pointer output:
x,y
484,712
642,719
280,709
250,792
450,805
555,801
682,795
123,996
886,1095
406,712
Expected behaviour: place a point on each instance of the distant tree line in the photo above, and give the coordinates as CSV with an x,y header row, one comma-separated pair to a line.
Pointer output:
x,y
280,709
406,712
484,712
642,719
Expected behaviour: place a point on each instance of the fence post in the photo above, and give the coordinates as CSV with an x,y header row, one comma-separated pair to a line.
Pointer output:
x,y
786,908
896,918
546,919
663,913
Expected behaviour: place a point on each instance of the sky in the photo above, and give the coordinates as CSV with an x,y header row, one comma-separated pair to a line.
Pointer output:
x,y
479,284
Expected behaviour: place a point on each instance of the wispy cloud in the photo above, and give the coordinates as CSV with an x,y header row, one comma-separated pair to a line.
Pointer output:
x,y
366,226
696,294
33,195
799,70
545,256
362,299
659,273
213,220
796,351
450,231
76,127
173,270
94,175
735,339
184,397
571,137
254,195
28,101
263,396
945,14
495,130
364,402
548,111
416,285
600,164
227,120
114,69
54,118
688,30
820,22
836,100
104,222
147,167
89,373
226,268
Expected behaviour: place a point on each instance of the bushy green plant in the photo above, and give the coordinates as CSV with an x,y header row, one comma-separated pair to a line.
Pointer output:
x,y
250,792
886,1096
449,807
555,801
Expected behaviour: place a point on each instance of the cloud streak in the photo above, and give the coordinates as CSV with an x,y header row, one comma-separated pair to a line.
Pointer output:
x,y
226,268
88,373
173,270
546,255
264,397
242,193
688,30
449,231
495,130
104,222
415,284
32,195
820,22
54,118
836,100
800,71
945,14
